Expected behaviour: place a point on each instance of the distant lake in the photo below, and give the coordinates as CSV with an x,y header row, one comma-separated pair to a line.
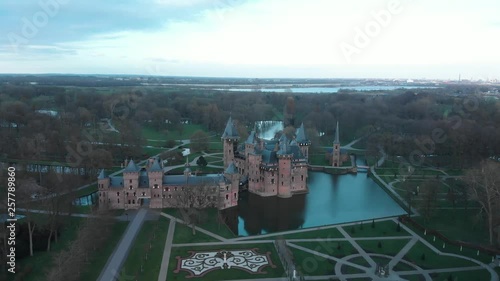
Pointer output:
x,y
321,90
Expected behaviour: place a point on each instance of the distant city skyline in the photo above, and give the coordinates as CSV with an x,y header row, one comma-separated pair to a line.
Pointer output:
x,y
401,39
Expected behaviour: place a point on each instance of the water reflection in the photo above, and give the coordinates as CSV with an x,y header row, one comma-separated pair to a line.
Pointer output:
x,y
259,215
332,199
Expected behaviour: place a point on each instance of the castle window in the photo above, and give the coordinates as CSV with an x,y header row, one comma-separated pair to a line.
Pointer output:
x,y
127,195
118,200
302,177
155,186
235,195
175,188
163,196
167,189
170,197
293,179
134,193
272,181
227,196
130,187
130,181
133,201
129,201
281,183
272,174
118,194
144,194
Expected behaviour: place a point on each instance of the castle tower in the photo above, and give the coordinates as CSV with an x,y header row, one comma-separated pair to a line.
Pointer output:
x,y
336,149
130,186
103,182
302,141
284,168
230,142
155,176
231,173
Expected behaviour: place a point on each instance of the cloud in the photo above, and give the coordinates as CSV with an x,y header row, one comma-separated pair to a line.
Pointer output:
x,y
259,36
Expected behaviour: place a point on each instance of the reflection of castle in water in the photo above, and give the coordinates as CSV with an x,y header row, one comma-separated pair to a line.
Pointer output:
x,y
271,214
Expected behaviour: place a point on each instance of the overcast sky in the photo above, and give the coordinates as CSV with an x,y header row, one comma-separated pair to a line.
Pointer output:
x,y
253,38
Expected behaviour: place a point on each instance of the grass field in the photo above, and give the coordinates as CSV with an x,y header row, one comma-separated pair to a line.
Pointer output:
x,y
99,258
151,241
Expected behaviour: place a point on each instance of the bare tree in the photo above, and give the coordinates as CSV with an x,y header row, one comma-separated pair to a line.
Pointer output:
x,y
484,188
428,197
28,191
193,199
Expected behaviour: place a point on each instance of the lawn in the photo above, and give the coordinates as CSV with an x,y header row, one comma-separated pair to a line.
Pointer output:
x,y
151,241
312,234
427,259
312,265
380,229
99,259
458,225
387,247
338,249
150,133
209,222
184,234
226,274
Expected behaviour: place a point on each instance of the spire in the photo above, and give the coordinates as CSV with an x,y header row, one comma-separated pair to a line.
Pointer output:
x,y
155,167
102,175
337,134
251,138
131,167
230,132
301,134
231,169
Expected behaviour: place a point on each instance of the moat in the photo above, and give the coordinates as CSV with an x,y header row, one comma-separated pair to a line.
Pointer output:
x,y
332,199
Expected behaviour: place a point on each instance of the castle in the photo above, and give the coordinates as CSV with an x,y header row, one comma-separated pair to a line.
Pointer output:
x,y
148,186
277,167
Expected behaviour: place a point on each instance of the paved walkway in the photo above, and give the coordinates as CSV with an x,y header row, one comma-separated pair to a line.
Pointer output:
x,y
166,252
112,268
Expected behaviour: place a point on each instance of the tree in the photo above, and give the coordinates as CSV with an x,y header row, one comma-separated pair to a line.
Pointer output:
x,y
199,141
193,199
428,197
202,162
28,191
484,188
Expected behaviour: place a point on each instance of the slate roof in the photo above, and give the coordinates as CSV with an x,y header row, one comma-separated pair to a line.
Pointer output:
x,y
230,132
194,180
102,175
131,167
116,182
251,138
231,169
301,134
337,134
156,166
